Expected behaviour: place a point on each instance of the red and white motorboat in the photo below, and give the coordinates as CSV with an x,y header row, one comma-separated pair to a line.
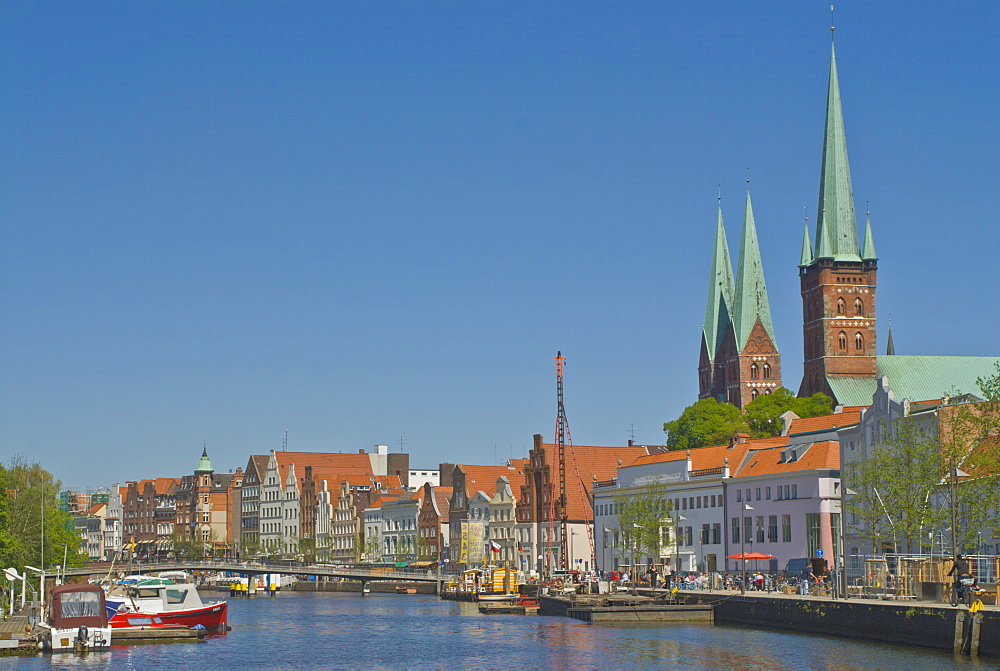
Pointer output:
x,y
163,602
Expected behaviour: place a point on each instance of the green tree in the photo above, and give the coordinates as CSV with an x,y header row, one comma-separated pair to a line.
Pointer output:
x,y
34,530
706,422
866,514
763,414
643,516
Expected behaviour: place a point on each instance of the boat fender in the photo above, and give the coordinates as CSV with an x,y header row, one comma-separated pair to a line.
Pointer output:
x,y
558,582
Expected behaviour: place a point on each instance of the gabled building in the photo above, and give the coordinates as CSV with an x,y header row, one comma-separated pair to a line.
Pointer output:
x,y
540,515
432,523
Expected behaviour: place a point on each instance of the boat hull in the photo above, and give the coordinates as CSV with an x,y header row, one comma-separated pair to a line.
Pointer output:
x,y
212,617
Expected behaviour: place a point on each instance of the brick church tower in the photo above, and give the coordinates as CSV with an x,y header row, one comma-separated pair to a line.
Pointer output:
x,y
739,354
838,280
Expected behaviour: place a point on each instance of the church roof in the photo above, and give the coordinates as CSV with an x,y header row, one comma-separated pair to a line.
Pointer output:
x,y
836,225
720,291
750,296
917,378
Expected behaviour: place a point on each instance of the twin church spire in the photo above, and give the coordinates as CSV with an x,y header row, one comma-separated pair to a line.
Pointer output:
x,y
739,354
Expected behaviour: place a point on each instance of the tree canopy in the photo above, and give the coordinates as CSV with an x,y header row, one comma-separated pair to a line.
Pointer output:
x,y
706,422
709,422
763,414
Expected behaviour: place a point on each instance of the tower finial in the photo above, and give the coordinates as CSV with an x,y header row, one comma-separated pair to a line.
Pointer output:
x,y
833,26
748,178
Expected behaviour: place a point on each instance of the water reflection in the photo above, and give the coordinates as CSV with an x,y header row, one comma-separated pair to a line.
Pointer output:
x,y
337,630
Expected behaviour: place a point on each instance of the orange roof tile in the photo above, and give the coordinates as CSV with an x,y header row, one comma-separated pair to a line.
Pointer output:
x,y
484,478
713,456
824,422
584,465
821,455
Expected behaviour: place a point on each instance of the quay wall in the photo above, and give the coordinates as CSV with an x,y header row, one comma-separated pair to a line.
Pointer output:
x,y
904,623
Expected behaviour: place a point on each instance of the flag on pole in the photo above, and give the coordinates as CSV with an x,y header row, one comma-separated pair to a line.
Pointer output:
x,y
494,546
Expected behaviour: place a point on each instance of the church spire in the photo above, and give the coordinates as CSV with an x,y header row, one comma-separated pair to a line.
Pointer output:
x,y
807,252
720,291
868,251
750,297
890,348
836,225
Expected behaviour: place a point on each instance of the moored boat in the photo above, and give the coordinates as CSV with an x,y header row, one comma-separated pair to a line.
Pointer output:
x,y
173,604
78,620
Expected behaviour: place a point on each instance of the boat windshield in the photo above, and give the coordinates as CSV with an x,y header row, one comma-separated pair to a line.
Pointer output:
x,y
80,604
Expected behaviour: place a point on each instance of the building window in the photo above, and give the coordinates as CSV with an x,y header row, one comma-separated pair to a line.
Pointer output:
x,y
842,340
812,533
767,371
786,528
754,371
841,306
736,530
859,342
760,529
748,529
753,394
859,307
795,491
767,493
772,529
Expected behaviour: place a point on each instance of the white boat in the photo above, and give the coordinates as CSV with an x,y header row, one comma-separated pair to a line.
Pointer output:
x,y
78,620
175,604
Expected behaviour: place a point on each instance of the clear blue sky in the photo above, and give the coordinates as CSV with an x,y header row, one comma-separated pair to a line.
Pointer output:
x,y
374,221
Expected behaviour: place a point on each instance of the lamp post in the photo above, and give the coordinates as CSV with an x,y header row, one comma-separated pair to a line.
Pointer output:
x,y
743,555
677,545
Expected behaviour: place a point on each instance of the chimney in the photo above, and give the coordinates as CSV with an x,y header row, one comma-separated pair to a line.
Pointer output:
x,y
361,451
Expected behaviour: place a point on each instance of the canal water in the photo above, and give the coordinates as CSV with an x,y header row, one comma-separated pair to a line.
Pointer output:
x,y
304,630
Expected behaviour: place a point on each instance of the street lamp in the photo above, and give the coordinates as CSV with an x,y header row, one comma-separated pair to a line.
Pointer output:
x,y
743,555
677,545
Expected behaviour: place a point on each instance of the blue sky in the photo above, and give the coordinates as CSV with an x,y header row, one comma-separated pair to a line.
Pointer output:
x,y
375,222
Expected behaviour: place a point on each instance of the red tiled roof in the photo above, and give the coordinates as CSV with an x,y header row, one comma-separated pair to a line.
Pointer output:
x,y
824,422
821,455
584,465
484,478
93,510
713,456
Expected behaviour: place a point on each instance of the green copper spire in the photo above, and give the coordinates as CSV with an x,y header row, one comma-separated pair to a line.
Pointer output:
x,y
751,294
807,250
720,291
836,226
204,464
868,252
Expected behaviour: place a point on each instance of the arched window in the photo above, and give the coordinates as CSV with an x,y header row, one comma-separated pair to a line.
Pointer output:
x,y
753,394
841,306
859,342
767,371
753,371
842,338
859,307
767,392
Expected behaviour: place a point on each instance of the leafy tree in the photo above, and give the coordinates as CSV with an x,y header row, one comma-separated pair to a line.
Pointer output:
x,y
866,515
763,414
643,515
706,422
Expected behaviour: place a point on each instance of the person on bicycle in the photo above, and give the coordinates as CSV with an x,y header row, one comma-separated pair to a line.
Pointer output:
x,y
965,582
